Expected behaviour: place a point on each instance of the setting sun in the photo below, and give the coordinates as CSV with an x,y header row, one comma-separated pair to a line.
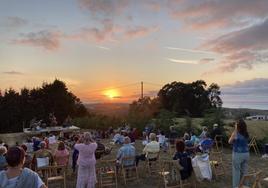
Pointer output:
x,y
112,93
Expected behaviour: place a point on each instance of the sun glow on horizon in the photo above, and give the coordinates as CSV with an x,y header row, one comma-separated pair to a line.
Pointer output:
x,y
112,93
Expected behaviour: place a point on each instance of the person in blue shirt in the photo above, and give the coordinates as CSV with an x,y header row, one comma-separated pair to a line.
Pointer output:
x,y
127,150
240,156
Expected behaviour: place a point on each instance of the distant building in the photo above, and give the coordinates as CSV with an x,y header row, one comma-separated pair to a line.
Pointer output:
x,y
257,117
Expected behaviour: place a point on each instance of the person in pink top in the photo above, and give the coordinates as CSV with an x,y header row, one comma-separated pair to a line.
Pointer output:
x,y
62,155
86,176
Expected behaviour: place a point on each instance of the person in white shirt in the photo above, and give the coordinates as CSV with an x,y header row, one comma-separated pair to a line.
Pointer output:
x,y
150,151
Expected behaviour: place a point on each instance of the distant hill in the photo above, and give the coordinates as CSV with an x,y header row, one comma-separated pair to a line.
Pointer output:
x,y
121,109
109,109
234,112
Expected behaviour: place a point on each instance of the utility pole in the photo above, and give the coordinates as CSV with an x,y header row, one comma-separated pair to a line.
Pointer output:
x,y
141,90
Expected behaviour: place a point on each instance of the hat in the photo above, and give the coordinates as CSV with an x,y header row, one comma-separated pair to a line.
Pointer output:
x,y
215,125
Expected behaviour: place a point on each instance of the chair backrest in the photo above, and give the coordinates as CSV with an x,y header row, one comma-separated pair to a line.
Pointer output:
x,y
42,162
128,161
152,155
106,172
252,179
53,171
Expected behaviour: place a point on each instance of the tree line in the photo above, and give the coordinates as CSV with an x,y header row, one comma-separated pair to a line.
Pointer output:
x,y
18,108
176,99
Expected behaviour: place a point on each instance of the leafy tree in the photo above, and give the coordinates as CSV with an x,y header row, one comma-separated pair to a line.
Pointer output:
x,y
190,99
17,109
142,111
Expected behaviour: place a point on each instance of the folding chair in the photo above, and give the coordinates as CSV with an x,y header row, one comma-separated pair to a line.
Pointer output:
x,y
253,144
106,173
170,172
130,171
153,163
217,164
54,173
252,179
218,143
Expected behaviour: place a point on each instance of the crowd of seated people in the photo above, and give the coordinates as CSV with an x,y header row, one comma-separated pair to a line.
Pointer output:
x,y
87,147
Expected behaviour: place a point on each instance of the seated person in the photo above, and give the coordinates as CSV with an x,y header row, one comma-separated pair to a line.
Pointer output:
x,y
194,138
28,157
187,140
16,175
62,155
29,145
3,162
216,131
42,153
184,160
52,139
118,138
36,143
162,140
204,133
205,144
101,149
145,139
127,150
173,135
152,147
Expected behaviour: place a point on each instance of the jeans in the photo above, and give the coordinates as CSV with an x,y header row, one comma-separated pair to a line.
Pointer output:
x,y
239,167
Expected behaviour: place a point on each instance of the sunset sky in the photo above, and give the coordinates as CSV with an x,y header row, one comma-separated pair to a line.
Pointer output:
x,y
103,49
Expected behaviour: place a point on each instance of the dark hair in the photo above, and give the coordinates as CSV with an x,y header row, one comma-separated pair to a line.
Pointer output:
x,y
61,146
242,128
15,156
180,145
24,147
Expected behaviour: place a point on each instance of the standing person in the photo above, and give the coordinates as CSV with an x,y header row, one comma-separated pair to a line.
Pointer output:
x,y
240,157
86,177
16,176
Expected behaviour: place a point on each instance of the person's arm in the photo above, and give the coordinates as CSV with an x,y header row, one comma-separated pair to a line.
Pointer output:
x,y
232,137
43,186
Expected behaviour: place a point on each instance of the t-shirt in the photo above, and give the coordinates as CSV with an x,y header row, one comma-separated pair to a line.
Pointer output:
x,y
240,144
13,181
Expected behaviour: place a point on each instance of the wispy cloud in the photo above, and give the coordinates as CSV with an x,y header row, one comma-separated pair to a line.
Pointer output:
x,y
242,48
49,40
13,73
188,50
15,22
181,61
205,14
193,62
103,48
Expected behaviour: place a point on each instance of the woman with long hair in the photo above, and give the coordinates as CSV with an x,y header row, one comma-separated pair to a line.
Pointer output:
x,y
240,157
86,177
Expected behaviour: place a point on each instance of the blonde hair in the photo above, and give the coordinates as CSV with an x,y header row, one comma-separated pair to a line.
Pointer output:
x,y
152,136
88,138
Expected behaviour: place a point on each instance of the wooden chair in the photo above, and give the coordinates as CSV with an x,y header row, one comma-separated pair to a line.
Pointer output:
x,y
153,163
54,173
170,172
217,164
218,140
106,173
130,172
253,179
253,144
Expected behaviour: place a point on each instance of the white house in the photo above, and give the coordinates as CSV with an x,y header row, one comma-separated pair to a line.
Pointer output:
x,y
257,117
